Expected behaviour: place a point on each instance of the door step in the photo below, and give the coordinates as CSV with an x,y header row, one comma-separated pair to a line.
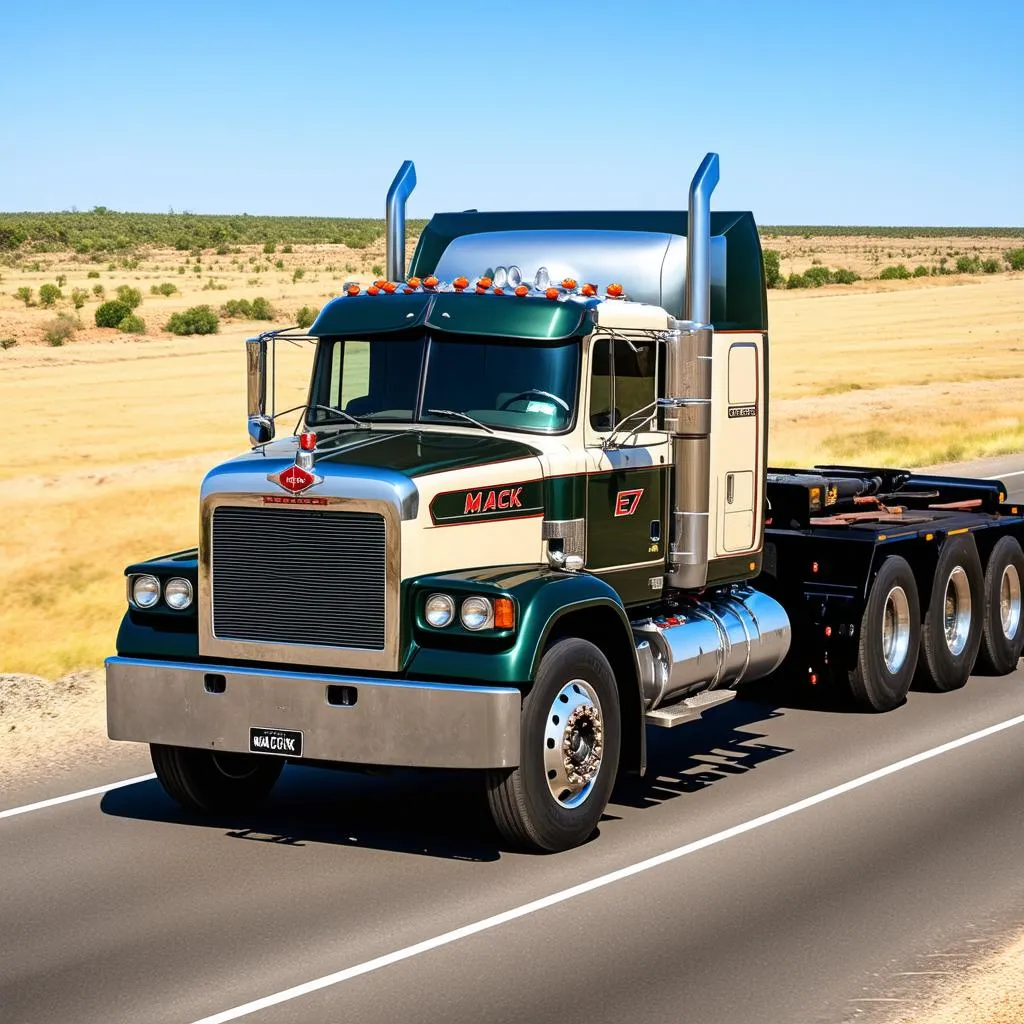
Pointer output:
x,y
688,710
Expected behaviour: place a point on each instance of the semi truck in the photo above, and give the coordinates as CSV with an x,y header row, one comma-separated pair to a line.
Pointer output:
x,y
526,515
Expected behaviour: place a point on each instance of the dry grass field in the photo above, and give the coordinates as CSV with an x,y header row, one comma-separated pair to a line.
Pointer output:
x,y
108,436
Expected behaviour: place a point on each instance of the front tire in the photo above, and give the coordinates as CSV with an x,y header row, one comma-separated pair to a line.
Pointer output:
x,y
570,735
1002,635
890,634
208,780
952,624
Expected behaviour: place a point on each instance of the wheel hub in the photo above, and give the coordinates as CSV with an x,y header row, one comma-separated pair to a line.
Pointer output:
x,y
895,629
957,611
573,743
1009,602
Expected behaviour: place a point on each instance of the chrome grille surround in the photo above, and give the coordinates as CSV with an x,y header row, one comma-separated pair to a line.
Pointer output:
x,y
283,649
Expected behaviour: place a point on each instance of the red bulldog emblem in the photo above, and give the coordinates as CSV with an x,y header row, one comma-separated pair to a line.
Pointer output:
x,y
294,479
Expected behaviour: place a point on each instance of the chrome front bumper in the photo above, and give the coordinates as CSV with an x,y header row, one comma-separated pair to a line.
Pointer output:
x,y
387,722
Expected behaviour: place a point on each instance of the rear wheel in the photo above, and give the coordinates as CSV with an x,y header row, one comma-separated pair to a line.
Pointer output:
x,y
1002,634
209,780
890,633
569,752
952,624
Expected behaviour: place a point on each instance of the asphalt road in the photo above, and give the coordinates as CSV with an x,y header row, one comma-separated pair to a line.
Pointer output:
x,y
777,864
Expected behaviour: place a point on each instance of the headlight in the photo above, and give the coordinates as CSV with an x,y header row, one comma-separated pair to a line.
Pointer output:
x,y
439,611
178,594
145,591
477,613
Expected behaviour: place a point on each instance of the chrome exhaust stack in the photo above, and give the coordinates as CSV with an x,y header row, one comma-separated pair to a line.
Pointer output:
x,y
394,232
687,402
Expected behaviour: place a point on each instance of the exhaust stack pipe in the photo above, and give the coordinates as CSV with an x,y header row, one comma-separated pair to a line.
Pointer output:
x,y
688,401
394,233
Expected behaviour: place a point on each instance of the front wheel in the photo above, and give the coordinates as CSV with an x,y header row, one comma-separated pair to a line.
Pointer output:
x,y
570,734
210,780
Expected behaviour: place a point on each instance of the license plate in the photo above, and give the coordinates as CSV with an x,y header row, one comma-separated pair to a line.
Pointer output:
x,y
283,742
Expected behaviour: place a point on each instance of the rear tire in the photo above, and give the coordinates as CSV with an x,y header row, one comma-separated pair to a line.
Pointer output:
x,y
1002,634
570,735
952,623
208,780
890,634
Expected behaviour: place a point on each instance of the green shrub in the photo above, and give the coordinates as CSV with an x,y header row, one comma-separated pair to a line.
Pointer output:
x,y
772,273
212,286
896,273
6,343
377,270
98,290
131,297
78,297
920,270
197,269
60,330
237,308
181,270
132,324
796,281
262,310
93,273
817,276
298,274
279,264
269,247
968,265
991,266
196,320
110,314
305,316
286,248
163,289
845,276
49,294
222,250
62,279
111,266
1015,257
24,294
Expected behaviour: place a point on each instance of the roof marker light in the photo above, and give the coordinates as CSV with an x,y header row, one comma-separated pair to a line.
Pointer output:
x,y
409,290
430,282
389,287
501,277
414,282
614,291
589,290
352,289
379,283
373,290
569,284
484,282
460,283
541,279
552,293
498,290
522,291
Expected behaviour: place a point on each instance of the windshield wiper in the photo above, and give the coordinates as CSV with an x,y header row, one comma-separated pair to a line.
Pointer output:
x,y
340,412
461,416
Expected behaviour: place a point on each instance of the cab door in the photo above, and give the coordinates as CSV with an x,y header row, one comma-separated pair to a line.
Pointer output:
x,y
627,468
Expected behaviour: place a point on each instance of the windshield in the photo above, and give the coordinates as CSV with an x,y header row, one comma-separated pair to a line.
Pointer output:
x,y
500,384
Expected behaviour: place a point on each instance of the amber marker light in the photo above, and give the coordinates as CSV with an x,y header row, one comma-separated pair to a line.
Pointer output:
x,y
484,282
373,290
551,293
379,283
430,282
569,283
389,287
522,291
498,291
614,291
459,283
352,289
414,282
590,290
504,613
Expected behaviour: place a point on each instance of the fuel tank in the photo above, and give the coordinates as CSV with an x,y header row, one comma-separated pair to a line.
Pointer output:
x,y
713,642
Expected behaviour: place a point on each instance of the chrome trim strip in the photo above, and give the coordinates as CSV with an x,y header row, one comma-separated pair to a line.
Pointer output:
x,y
212,646
392,722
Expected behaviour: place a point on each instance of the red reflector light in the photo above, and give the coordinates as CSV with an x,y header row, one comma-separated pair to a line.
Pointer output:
x,y
504,613
814,679
307,441
828,631
814,566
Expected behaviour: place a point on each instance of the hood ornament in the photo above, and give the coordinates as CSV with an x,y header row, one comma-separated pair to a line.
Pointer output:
x,y
299,477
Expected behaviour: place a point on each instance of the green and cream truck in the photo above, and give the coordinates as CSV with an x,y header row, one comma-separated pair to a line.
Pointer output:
x,y
528,515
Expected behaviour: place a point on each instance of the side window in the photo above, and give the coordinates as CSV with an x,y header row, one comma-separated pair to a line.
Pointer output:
x,y
350,373
623,381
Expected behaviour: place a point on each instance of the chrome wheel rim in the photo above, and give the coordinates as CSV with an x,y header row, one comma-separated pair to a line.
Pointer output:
x,y
895,629
573,743
1009,602
234,766
956,610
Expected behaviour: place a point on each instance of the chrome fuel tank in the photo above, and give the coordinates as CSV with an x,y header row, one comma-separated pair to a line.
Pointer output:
x,y
715,642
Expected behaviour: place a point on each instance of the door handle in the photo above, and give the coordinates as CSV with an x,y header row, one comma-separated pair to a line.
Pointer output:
x,y
730,488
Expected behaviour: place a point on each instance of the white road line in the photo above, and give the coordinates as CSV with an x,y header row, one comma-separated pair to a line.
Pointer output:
x,y
408,952
68,797
1003,476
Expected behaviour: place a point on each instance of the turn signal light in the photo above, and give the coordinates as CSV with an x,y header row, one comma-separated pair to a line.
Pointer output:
x,y
504,613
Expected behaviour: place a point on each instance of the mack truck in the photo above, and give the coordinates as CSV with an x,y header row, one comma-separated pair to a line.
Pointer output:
x,y
526,515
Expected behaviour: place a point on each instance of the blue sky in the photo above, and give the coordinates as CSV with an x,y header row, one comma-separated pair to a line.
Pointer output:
x,y
902,112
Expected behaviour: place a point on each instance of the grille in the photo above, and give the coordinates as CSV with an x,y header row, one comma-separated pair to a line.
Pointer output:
x,y
297,576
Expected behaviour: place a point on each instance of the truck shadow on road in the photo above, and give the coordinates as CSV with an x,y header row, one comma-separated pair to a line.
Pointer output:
x,y
444,814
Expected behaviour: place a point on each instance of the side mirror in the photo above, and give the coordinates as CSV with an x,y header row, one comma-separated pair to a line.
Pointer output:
x,y
261,426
